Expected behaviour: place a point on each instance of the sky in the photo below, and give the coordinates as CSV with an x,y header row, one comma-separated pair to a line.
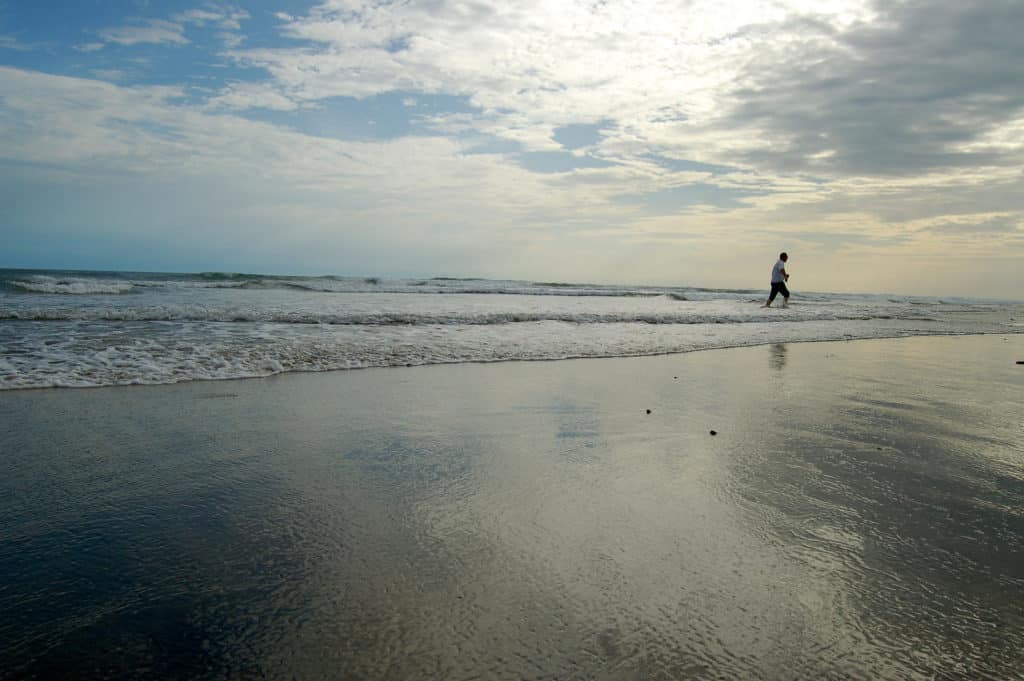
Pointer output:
x,y
881,144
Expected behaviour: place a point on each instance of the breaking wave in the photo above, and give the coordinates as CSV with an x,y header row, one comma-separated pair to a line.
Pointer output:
x,y
113,328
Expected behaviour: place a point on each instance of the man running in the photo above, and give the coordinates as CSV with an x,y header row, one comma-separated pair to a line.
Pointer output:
x,y
779,279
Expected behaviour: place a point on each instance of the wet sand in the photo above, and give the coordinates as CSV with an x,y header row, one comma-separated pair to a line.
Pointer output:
x,y
859,514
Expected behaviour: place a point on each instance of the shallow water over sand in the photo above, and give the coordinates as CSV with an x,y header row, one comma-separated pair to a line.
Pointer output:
x,y
859,514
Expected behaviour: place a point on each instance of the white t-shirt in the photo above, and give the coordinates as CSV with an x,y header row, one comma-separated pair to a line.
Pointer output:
x,y
777,277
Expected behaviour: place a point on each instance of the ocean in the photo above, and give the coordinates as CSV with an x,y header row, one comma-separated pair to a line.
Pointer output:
x,y
88,329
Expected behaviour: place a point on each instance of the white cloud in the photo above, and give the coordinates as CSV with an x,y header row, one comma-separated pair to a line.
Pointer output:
x,y
172,31
149,31
91,129
744,83
231,40
243,96
542,64
225,17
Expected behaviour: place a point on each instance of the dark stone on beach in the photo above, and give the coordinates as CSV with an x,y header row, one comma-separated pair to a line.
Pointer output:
x,y
714,432
648,411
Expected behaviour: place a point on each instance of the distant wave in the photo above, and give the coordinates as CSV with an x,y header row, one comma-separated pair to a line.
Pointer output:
x,y
116,283
71,286
228,276
81,283
394,318
88,286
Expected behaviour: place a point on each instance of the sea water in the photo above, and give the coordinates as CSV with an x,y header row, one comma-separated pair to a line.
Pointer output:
x,y
80,329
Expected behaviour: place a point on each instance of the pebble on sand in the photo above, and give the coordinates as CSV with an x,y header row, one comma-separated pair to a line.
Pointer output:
x,y
648,411
714,432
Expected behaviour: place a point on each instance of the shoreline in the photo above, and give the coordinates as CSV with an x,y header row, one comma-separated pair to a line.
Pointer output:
x,y
942,334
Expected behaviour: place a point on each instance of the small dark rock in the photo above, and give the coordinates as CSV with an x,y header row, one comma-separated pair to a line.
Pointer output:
x,y
648,411
714,432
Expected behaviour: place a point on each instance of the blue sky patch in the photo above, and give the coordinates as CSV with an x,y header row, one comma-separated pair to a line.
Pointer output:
x,y
580,135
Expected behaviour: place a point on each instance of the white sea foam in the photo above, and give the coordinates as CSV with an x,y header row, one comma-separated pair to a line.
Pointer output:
x,y
71,286
178,328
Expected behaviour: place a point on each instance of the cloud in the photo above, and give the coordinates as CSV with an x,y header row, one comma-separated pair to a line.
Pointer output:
x,y
915,91
783,88
981,225
172,30
224,17
154,31
231,40
244,96
535,64
88,131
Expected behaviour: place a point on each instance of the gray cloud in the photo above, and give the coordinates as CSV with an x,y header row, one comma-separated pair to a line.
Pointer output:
x,y
897,96
1002,224
896,205
838,240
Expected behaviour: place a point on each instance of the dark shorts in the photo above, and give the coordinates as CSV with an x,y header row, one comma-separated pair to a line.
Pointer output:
x,y
777,288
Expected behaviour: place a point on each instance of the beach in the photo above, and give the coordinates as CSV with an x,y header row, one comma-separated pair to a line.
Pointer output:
x,y
857,513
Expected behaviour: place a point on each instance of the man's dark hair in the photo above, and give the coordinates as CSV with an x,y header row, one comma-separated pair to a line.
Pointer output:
x,y
783,256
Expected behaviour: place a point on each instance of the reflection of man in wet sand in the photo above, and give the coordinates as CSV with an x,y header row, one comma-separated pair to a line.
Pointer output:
x,y
777,358
779,279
